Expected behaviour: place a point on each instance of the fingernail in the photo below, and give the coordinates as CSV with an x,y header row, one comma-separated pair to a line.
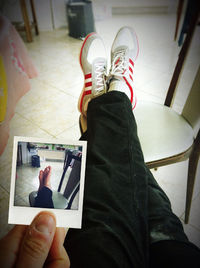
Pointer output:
x,y
45,224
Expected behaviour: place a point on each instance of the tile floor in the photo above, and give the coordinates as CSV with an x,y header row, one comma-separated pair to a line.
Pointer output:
x,y
49,109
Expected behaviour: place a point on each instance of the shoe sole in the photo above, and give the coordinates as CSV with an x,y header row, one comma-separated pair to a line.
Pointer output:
x,y
138,49
82,124
80,101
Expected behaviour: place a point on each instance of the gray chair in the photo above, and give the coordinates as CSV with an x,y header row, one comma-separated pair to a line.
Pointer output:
x,y
59,200
173,137
168,137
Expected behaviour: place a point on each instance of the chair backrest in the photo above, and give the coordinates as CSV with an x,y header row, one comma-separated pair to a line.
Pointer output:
x,y
74,179
191,110
182,56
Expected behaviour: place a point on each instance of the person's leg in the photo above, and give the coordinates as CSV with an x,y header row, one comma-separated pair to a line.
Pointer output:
x,y
44,198
163,223
169,246
115,229
117,188
174,254
112,206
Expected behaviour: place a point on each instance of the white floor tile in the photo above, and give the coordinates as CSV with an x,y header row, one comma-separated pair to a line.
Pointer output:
x,y
194,218
192,233
72,133
4,204
172,179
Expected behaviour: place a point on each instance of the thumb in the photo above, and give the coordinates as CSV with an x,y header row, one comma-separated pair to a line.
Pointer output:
x,y
37,241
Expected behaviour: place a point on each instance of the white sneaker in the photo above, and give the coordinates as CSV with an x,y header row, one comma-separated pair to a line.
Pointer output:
x,y
124,52
93,63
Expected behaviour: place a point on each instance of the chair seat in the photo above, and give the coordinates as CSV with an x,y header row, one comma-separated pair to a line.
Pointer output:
x,y
59,201
163,133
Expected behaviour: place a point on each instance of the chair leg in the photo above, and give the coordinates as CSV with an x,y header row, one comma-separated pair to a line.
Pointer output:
x,y
182,56
179,11
26,20
193,162
34,17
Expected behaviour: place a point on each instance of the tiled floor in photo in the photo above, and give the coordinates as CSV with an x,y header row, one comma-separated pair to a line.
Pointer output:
x,y
49,109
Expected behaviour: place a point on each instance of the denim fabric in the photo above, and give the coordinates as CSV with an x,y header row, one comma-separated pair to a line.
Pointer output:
x,y
124,209
44,198
163,223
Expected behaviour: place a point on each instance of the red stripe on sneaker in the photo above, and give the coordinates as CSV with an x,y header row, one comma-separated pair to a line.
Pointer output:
x,y
130,69
130,60
88,84
88,76
131,90
88,92
131,77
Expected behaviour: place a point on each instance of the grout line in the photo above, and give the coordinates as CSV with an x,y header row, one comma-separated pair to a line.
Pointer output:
x,y
58,89
48,84
183,214
54,136
195,227
33,123
191,225
67,129
5,189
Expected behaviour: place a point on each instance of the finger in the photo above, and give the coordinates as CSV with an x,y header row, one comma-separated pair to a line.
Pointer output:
x,y
10,244
57,255
37,241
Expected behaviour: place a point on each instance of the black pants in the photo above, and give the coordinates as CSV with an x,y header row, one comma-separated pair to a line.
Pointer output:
x,y
127,218
44,198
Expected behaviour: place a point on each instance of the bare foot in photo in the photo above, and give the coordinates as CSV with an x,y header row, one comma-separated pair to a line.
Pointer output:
x,y
44,178
47,177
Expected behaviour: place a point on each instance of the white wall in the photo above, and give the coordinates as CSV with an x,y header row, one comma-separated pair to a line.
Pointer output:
x,y
44,15
104,9
52,13
59,13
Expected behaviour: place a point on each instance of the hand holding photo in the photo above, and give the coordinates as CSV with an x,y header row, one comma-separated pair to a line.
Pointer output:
x,y
47,175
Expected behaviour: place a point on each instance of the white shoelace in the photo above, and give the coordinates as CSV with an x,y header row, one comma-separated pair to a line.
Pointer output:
x,y
100,75
118,67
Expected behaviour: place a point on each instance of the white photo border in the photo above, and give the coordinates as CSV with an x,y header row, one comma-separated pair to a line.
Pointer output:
x,y
64,217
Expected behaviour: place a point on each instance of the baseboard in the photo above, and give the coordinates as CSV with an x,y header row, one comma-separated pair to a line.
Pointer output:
x,y
120,10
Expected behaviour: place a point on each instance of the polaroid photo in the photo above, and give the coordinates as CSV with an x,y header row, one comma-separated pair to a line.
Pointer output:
x,y
47,175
